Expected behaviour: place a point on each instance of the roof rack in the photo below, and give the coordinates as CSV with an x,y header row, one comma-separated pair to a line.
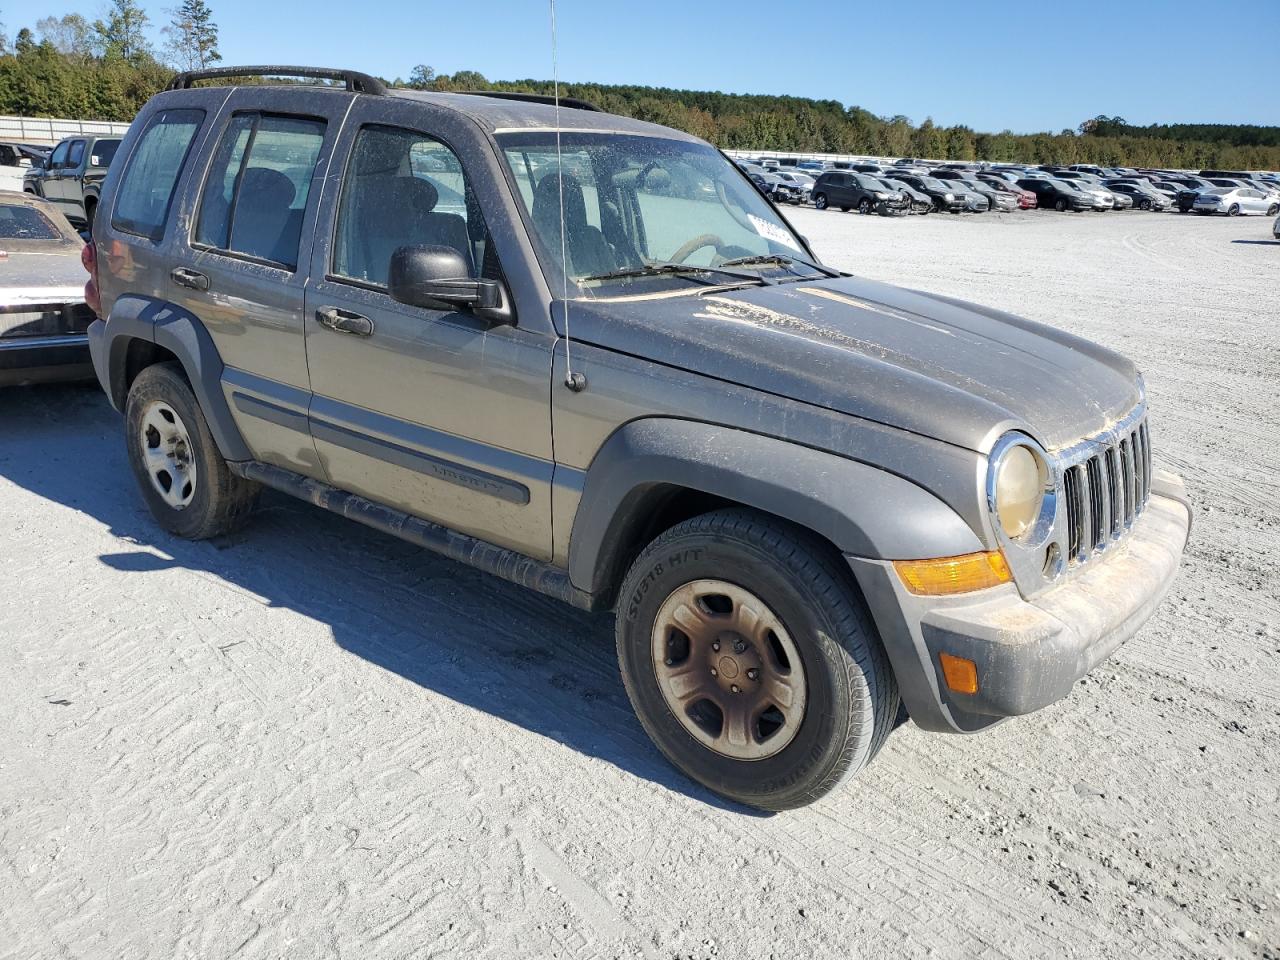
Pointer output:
x,y
571,103
356,82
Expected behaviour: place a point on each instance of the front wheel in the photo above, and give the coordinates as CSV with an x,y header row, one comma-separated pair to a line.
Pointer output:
x,y
1233,210
179,469
751,661
820,201
1060,205
1273,209
1146,204
864,206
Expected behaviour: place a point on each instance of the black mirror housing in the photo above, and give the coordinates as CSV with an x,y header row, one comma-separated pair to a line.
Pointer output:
x,y
436,278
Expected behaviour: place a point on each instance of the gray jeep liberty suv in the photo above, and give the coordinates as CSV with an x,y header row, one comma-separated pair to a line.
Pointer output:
x,y
585,354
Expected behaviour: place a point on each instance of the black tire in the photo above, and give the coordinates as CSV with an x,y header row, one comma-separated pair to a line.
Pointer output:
x,y
1233,210
864,206
852,695
221,502
90,211
820,201
1273,209
1146,204
1060,205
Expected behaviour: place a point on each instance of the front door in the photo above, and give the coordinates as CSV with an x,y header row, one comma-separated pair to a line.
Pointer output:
x,y
434,412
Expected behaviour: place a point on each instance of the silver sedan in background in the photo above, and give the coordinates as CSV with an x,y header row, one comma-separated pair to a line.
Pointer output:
x,y
43,316
1234,201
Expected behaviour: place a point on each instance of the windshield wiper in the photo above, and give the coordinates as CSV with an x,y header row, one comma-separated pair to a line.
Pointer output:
x,y
674,269
768,259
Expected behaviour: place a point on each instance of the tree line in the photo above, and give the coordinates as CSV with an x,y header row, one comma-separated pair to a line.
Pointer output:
x,y
106,69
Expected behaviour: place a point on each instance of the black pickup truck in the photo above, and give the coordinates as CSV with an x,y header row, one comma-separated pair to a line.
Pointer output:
x,y
72,177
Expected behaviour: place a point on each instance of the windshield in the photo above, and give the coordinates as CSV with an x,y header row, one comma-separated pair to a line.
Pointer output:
x,y
632,204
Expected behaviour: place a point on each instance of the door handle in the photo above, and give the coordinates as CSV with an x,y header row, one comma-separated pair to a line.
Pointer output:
x,y
189,278
344,321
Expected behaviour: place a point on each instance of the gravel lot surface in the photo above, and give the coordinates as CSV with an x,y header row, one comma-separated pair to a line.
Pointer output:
x,y
310,740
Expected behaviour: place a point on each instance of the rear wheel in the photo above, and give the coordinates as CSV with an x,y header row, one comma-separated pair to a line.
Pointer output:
x,y
181,473
751,661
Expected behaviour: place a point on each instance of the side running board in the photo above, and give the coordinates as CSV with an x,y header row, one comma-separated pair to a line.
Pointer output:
x,y
499,561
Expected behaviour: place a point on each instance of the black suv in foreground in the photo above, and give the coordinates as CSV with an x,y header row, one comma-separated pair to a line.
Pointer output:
x,y
807,497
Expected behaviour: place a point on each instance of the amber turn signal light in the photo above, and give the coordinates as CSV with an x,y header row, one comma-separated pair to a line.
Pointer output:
x,y
947,575
961,674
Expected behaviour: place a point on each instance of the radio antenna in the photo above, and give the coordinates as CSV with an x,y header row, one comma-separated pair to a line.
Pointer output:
x,y
574,381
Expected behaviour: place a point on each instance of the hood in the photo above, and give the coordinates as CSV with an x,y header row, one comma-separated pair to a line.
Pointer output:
x,y
939,367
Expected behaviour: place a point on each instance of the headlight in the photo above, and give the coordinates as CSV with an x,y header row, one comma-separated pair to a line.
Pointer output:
x,y
881,196
948,197
1019,482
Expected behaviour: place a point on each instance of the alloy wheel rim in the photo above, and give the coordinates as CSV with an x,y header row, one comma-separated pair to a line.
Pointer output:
x,y
728,670
167,454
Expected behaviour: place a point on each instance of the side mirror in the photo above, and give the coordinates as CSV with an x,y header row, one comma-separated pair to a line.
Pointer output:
x,y
24,162
436,278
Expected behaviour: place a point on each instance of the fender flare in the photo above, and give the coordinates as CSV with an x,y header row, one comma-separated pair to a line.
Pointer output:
x,y
863,510
134,318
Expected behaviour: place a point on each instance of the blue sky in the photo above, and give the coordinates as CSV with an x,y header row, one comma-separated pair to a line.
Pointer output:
x,y
1025,66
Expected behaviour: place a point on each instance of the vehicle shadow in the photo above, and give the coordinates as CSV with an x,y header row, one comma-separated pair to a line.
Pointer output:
x,y
1259,243
450,629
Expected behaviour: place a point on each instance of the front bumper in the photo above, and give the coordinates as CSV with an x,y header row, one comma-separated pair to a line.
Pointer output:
x,y
1028,653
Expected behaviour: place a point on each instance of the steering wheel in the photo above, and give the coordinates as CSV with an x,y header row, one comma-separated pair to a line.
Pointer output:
x,y
690,247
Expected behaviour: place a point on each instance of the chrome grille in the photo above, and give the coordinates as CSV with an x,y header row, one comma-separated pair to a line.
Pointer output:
x,y
1106,483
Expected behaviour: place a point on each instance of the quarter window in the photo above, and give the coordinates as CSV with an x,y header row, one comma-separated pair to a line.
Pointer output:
x,y
256,193
146,191
405,188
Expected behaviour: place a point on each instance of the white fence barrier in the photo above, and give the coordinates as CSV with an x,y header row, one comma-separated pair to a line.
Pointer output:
x,y
43,130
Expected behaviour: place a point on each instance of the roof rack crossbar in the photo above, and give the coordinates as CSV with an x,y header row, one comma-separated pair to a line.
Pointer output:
x,y
569,103
356,82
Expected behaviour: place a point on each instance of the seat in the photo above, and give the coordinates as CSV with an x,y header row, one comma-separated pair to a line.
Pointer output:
x,y
588,251
265,224
394,211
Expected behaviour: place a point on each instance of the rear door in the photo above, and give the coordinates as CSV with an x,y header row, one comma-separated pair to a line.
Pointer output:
x,y
253,206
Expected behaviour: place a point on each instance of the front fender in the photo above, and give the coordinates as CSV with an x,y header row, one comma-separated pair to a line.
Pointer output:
x,y
863,510
181,333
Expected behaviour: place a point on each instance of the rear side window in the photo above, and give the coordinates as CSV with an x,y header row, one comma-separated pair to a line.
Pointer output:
x,y
256,193
146,191
104,151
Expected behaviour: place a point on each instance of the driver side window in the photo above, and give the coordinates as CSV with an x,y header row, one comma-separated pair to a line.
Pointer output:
x,y
404,188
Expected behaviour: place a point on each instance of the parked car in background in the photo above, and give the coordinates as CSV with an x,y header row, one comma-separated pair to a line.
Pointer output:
x,y
1143,198
1057,194
848,190
1234,202
997,199
1103,199
1026,200
920,202
1275,229
72,177
791,186
974,200
940,192
15,160
43,316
